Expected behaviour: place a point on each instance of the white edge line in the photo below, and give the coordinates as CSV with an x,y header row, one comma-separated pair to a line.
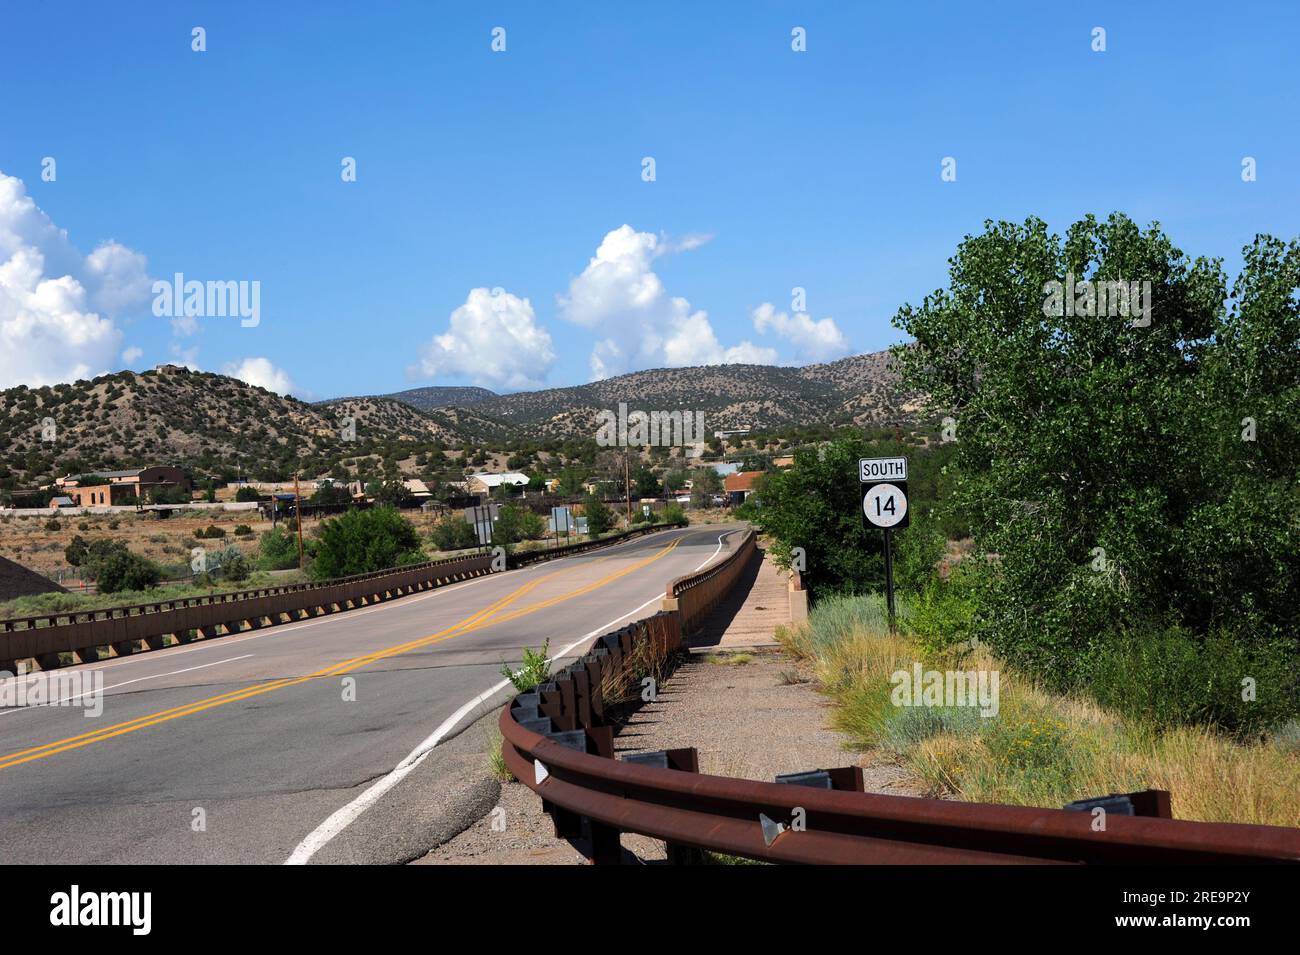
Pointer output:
x,y
344,817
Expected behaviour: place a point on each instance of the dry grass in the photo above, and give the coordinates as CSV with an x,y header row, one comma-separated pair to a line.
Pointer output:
x,y
1042,749
649,659
729,659
496,759
26,541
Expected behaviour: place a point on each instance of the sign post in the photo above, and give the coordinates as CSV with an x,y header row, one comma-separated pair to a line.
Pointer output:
x,y
884,505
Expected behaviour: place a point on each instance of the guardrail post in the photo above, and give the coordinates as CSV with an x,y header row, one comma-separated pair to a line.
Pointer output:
x,y
568,719
684,760
595,672
581,681
606,847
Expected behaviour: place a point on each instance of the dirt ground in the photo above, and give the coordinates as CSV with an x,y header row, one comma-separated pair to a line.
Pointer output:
x,y
27,540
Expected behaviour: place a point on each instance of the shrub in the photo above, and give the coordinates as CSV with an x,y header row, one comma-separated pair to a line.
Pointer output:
x,y
599,517
52,524
507,529
235,567
942,614
1170,677
278,550
120,569
911,725
674,514
532,525
358,542
535,669
1034,742
243,530
246,494
453,532
75,552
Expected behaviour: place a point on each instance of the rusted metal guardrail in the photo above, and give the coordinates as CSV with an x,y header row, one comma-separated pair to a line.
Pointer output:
x,y
694,595
559,742
123,629
524,558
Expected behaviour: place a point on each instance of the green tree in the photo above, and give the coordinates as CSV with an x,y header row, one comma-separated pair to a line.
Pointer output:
x,y
1135,474
115,568
453,532
507,530
330,492
278,549
644,483
673,514
387,493
75,552
532,526
358,542
571,481
705,482
599,517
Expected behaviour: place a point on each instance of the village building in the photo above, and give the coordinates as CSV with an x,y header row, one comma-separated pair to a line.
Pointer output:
x,y
484,483
134,485
740,485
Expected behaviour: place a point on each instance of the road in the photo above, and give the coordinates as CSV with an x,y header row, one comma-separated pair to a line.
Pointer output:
x,y
240,749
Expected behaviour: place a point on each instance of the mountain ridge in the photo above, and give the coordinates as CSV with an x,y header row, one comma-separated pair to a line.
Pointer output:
x,y
220,425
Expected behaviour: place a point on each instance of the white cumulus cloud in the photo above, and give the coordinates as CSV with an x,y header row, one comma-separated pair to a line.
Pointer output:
x,y
132,354
57,307
261,373
622,300
814,341
493,340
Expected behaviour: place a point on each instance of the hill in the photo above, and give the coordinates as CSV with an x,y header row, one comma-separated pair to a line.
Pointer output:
x,y
434,396
221,426
209,423
859,390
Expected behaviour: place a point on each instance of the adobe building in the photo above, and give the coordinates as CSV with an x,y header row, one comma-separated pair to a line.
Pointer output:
x,y
123,487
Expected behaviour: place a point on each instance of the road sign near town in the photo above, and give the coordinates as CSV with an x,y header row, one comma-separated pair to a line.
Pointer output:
x,y
884,505
873,470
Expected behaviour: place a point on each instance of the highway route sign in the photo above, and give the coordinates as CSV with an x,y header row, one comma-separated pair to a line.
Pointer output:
x,y
884,505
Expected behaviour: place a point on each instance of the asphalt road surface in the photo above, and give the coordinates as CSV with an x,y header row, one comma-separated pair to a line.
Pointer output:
x,y
283,743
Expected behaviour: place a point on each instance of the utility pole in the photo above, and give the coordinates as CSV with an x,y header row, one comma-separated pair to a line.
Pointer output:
x,y
627,486
297,506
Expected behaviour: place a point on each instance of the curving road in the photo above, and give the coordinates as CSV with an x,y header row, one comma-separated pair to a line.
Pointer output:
x,y
269,746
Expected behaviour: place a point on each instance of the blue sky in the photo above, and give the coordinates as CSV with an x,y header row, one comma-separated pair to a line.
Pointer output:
x,y
483,170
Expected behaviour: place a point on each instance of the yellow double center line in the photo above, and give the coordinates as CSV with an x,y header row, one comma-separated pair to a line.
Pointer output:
x,y
488,616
